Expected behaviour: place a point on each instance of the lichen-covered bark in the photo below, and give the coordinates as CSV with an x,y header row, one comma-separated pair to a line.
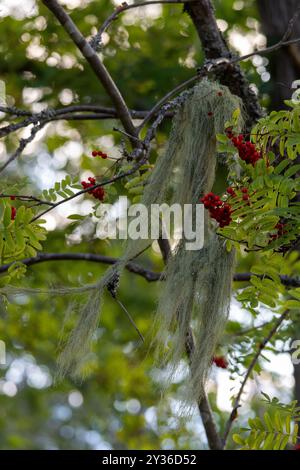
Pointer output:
x,y
214,46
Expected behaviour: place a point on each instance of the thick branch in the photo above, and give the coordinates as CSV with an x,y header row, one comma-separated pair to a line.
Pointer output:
x,y
92,58
214,45
41,258
80,108
149,275
214,440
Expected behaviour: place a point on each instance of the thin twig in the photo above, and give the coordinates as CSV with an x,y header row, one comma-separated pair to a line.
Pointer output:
x,y
210,67
250,330
22,197
250,369
87,190
23,143
285,280
96,40
265,51
291,25
130,318
166,98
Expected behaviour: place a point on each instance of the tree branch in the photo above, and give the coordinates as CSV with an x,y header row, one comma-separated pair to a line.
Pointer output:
x,y
214,440
23,143
23,197
155,110
214,45
97,39
150,276
80,108
92,58
87,190
250,369
285,280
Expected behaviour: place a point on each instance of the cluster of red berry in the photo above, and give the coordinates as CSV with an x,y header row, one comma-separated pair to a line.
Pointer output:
x,y
280,231
220,361
247,150
218,209
98,153
232,193
98,193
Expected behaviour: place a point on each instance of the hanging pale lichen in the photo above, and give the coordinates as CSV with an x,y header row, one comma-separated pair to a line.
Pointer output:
x,y
196,290
196,295
197,284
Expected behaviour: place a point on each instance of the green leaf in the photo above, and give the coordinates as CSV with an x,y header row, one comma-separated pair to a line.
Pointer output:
x,y
76,217
292,304
238,439
292,171
268,421
20,215
20,240
7,216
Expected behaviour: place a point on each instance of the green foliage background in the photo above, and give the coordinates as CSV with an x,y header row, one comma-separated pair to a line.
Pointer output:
x,y
122,407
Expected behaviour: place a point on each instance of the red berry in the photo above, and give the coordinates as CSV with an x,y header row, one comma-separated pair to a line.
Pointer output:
x,y
229,132
220,93
247,150
210,114
220,361
244,190
94,153
12,198
218,210
98,193
13,213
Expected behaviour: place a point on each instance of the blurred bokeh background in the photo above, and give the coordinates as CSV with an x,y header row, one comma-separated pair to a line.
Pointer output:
x,y
118,404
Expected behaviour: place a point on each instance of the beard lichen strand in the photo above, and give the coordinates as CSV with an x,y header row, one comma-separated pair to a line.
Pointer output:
x,y
197,287
196,294
197,283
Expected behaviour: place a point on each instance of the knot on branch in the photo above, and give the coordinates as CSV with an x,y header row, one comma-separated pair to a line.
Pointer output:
x,y
96,42
113,285
48,113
